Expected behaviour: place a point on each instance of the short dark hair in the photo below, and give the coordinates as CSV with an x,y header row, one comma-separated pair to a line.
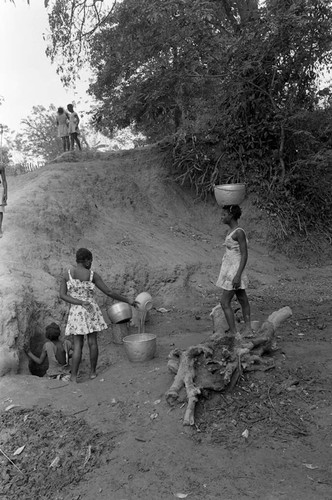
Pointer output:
x,y
83,254
52,331
60,111
234,210
70,107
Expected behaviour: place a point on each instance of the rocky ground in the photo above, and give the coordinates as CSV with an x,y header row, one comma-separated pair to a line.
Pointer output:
x,y
115,437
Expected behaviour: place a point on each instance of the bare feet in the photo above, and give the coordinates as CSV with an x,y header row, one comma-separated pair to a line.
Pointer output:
x,y
93,375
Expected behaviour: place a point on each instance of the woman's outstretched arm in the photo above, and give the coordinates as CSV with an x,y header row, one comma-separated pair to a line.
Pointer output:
x,y
107,291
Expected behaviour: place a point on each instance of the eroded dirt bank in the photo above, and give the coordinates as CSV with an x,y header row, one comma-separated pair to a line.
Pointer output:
x,y
146,234
143,230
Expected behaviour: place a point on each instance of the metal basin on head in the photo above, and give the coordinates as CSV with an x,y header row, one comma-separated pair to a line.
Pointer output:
x,y
230,194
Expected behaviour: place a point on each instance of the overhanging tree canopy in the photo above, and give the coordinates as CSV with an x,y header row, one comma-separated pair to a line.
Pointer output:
x,y
163,64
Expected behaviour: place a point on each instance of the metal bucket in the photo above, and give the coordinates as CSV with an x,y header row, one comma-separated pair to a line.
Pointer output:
x,y
120,312
230,194
140,347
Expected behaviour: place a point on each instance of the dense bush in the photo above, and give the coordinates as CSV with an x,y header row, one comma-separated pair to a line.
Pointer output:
x,y
266,124
299,205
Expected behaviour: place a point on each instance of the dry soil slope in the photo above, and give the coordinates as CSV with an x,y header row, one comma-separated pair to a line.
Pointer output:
x,y
144,232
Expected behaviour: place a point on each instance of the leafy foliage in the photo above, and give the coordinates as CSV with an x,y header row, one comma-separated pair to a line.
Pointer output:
x,y
39,134
142,57
267,129
146,55
72,24
5,156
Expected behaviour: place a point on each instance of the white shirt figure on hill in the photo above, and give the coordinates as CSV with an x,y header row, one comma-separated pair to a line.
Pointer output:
x,y
73,127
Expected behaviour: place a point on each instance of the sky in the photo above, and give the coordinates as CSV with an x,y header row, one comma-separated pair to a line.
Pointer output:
x,y
27,77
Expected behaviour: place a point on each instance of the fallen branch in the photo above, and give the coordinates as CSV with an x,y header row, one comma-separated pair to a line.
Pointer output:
x,y
4,454
80,411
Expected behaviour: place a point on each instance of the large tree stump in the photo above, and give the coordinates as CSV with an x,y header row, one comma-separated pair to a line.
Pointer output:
x,y
218,363
185,375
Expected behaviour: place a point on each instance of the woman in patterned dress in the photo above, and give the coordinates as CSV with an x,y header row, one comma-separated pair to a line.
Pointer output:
x,y
85,317
232,277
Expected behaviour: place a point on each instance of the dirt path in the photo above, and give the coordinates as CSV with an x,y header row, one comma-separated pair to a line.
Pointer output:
x,y
146,451
115,437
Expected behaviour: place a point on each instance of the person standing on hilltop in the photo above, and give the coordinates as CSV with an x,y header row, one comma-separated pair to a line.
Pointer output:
x,y
3,194
62,121
73,128
232,278
85,317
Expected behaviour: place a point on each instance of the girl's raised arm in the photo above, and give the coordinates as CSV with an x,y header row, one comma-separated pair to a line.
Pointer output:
x,y
107,291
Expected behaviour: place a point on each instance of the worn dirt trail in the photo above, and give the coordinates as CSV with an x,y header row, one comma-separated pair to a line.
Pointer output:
x,y
146,234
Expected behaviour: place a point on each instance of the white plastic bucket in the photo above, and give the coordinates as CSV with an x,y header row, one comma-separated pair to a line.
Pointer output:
x,y
144,301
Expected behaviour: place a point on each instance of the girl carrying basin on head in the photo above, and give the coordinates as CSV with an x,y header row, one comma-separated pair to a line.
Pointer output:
x,y
232,277
85,317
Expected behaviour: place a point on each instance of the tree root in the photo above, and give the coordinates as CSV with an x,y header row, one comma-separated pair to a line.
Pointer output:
x,y
218,363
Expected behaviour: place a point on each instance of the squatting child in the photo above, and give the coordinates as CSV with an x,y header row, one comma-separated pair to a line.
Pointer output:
x,y
56,351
